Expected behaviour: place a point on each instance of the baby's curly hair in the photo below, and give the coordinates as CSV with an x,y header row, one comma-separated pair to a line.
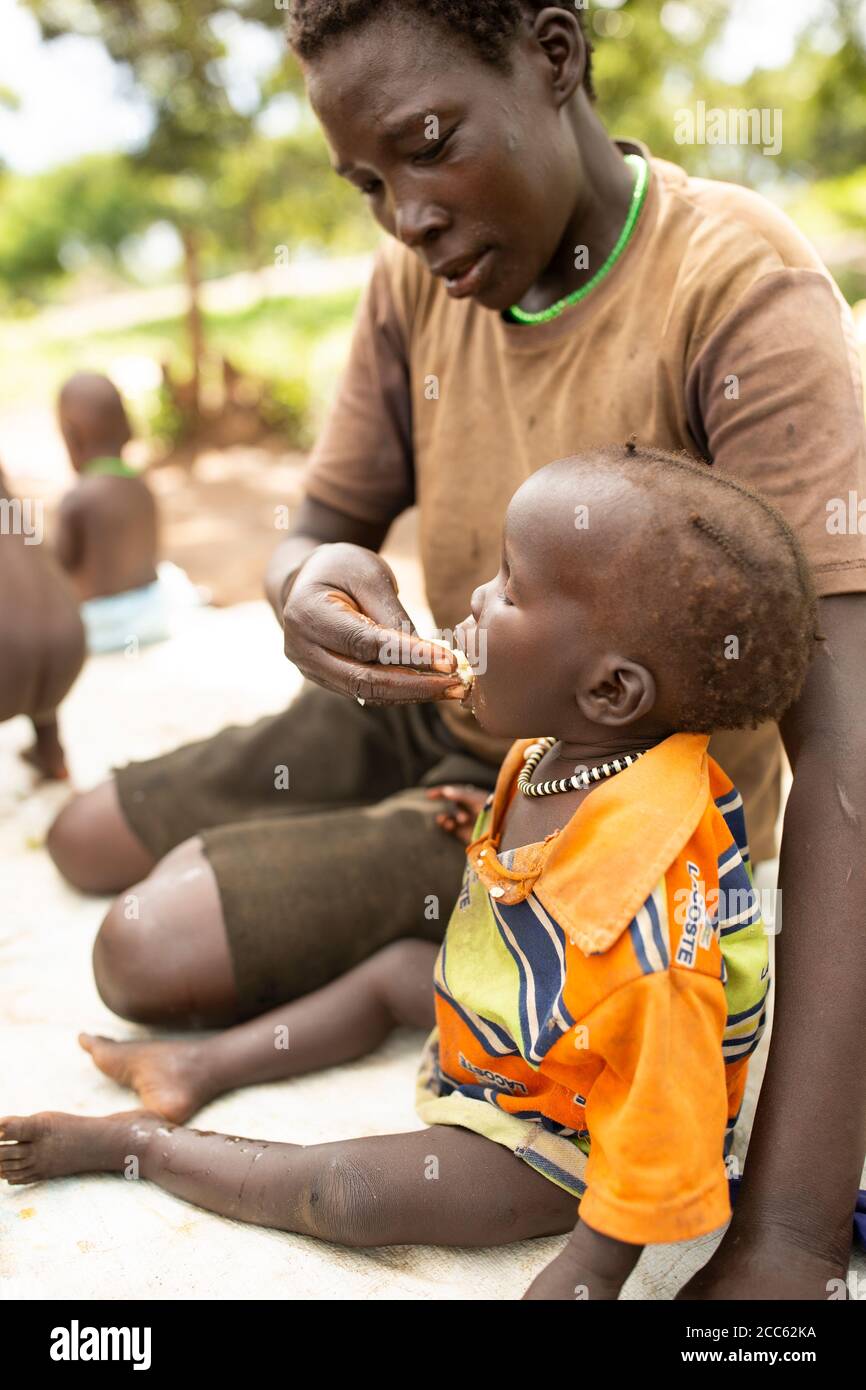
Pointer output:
x,y
728,591
490,26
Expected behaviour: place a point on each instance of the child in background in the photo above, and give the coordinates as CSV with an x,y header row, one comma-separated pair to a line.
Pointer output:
x,y
41,636
604,976
108,539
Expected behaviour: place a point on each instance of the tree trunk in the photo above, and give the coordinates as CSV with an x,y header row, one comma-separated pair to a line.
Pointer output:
x,y
194,324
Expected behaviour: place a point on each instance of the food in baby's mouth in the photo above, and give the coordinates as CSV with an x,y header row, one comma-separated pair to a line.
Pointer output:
x,y
465,673
464,668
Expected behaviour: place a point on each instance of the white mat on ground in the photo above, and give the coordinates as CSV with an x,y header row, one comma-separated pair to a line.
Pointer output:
x,y
100,1237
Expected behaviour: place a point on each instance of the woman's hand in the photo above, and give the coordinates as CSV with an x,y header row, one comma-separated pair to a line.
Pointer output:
x,y
346,629
467,803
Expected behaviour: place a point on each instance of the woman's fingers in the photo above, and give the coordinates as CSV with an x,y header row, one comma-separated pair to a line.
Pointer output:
x,y
343,628
345,599
374,684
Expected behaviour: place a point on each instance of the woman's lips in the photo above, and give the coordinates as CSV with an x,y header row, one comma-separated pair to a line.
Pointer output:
x,y
469,281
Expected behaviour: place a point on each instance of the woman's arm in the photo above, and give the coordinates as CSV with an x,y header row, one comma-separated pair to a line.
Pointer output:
x,y
316,524
791,1229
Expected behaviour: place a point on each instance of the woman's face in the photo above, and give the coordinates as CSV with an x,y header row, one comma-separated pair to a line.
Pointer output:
x,y
474,169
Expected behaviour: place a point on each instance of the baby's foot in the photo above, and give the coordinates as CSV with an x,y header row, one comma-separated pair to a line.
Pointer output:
x,y
170,1078
52,1145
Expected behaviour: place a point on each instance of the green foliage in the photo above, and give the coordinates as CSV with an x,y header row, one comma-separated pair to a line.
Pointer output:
x,y
280,193
174,52
285,407
206,169
642,71
647,73
204,166
280,341
163,420
96,202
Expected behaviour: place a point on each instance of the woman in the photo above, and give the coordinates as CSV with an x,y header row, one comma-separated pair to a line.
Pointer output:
x,y
544,289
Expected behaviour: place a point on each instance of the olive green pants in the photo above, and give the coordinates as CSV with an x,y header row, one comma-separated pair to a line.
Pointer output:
x,y
317,828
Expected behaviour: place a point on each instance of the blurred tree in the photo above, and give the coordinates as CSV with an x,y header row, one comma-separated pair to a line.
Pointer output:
x,y
97,203
652,59
649,60
175,54
236,196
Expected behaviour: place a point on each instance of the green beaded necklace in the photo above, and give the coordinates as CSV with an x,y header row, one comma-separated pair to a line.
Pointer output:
x,y
108,467
639,164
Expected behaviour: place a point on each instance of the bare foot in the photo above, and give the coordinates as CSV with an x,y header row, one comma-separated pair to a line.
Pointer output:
x,y
52,1145
170,1078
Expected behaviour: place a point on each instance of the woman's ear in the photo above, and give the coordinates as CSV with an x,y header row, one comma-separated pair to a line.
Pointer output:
x,y
558,34
620,692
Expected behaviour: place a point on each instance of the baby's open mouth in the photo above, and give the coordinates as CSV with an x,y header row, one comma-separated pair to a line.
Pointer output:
x,y
464,673
465,670
464,667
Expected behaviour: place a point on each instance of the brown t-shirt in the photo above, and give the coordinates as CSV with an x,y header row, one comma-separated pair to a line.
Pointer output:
x,y
718,331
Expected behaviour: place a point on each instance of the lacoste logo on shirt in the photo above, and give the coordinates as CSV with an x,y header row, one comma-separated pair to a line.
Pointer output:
x,y
493,1078
696,919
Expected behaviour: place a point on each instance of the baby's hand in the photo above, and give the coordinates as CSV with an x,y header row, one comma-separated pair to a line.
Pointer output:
x,y
468,802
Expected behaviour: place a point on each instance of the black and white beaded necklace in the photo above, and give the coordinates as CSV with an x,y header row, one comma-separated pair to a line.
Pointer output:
x,y
578,782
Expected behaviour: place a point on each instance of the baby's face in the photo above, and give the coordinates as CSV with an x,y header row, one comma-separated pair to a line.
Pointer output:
x,y
528,638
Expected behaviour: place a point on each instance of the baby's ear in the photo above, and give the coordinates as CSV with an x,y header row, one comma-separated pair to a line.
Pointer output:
x,y
619,692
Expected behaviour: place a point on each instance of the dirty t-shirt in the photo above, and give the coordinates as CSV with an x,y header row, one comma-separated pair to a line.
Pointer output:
x,y
718,332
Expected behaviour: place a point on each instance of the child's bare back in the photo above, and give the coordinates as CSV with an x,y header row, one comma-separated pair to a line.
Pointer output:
x,y
108,536
108,539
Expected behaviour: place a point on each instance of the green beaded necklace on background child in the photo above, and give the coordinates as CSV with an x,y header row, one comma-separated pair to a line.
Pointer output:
x,y
108,467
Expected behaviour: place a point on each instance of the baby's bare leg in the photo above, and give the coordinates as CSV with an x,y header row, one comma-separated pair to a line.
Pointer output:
x,y
347,1018
439,1186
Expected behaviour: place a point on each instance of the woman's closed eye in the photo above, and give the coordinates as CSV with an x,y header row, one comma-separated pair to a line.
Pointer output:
x,y
432,152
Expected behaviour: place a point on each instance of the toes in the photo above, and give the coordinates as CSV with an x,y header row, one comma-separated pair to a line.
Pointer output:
x,y
14,1153
18,1179
16,1162
95,1042
16,1127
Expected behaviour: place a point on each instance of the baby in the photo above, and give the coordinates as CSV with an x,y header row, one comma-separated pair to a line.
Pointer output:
x,y
41,636
108,538
604,975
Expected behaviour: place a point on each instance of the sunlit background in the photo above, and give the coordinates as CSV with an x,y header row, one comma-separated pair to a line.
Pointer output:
x,y
168,213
